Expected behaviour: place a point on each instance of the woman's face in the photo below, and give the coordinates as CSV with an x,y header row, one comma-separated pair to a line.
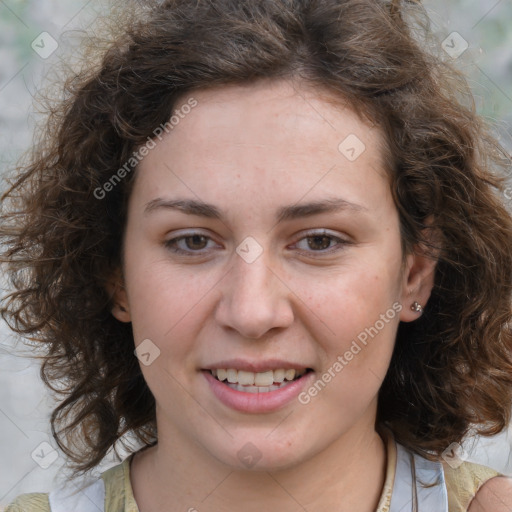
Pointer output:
x,y
282,251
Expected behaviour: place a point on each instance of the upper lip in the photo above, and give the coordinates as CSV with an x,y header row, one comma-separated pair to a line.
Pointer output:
x,y
256,366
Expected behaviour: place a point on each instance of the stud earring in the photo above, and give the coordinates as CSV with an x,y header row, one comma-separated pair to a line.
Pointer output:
x,y
417,307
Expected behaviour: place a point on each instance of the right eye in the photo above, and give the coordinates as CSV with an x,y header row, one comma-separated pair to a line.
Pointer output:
x,y
191,244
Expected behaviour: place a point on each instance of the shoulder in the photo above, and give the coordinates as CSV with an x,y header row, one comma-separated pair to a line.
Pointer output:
x,y
112,490
31,502
118,489
466,481
494,496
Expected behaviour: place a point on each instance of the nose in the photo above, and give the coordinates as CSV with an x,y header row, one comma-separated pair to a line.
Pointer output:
x,y
255,299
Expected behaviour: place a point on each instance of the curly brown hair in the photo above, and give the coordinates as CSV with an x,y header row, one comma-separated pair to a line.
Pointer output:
x,y
451,369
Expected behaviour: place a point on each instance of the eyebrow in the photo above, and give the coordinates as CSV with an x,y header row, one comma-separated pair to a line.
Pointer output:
x,y
285,213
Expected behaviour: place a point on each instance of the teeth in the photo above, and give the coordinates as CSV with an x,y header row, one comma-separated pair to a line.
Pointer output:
x,y
246,379
289,374
232,376
279,375
222,375
264,379
257,389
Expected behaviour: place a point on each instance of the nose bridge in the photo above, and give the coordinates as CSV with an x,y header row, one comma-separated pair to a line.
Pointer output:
x,y
251,278
254,300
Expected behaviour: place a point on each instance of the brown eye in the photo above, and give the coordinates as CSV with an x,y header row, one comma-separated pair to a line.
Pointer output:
x,y
321,243
196,241
194,244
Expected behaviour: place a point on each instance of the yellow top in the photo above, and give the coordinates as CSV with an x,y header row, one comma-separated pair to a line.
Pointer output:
x,y
462,484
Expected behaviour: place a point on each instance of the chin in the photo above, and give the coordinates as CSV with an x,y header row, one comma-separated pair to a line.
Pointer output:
x,y
260,454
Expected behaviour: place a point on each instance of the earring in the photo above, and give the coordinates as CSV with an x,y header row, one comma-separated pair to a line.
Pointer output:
x,y
417,307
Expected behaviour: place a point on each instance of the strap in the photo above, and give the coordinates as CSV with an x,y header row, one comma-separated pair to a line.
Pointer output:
x,y
88,499
409,495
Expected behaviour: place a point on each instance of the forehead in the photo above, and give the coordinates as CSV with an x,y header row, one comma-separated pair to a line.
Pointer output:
x,y
258,112
267,137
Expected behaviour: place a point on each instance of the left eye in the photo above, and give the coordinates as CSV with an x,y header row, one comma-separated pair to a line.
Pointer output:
x,y
320,242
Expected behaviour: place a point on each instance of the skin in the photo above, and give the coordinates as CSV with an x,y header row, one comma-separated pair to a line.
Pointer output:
x,y
494,496
250,150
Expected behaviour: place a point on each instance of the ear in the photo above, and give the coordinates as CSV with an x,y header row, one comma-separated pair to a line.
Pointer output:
x,y
418,275
116,290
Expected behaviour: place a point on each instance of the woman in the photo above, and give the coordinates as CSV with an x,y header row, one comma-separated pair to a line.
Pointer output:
x,y
287,213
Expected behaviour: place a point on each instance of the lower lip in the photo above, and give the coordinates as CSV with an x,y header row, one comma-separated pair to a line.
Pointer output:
x,y
257,402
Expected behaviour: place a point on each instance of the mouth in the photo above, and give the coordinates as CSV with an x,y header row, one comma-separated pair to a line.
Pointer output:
x,y
258,382
259,387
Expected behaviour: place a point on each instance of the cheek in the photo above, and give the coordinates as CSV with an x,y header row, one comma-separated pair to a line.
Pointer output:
x,y
164,300
350,300
355,317
167,306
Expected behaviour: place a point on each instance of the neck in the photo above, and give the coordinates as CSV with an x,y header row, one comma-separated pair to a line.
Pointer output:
x,y
347,477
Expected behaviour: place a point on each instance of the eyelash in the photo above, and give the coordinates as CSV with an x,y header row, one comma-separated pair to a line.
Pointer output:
x,y
171,243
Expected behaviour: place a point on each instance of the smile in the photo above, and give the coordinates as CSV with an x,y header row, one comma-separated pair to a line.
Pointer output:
x,y
257,392
260,382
